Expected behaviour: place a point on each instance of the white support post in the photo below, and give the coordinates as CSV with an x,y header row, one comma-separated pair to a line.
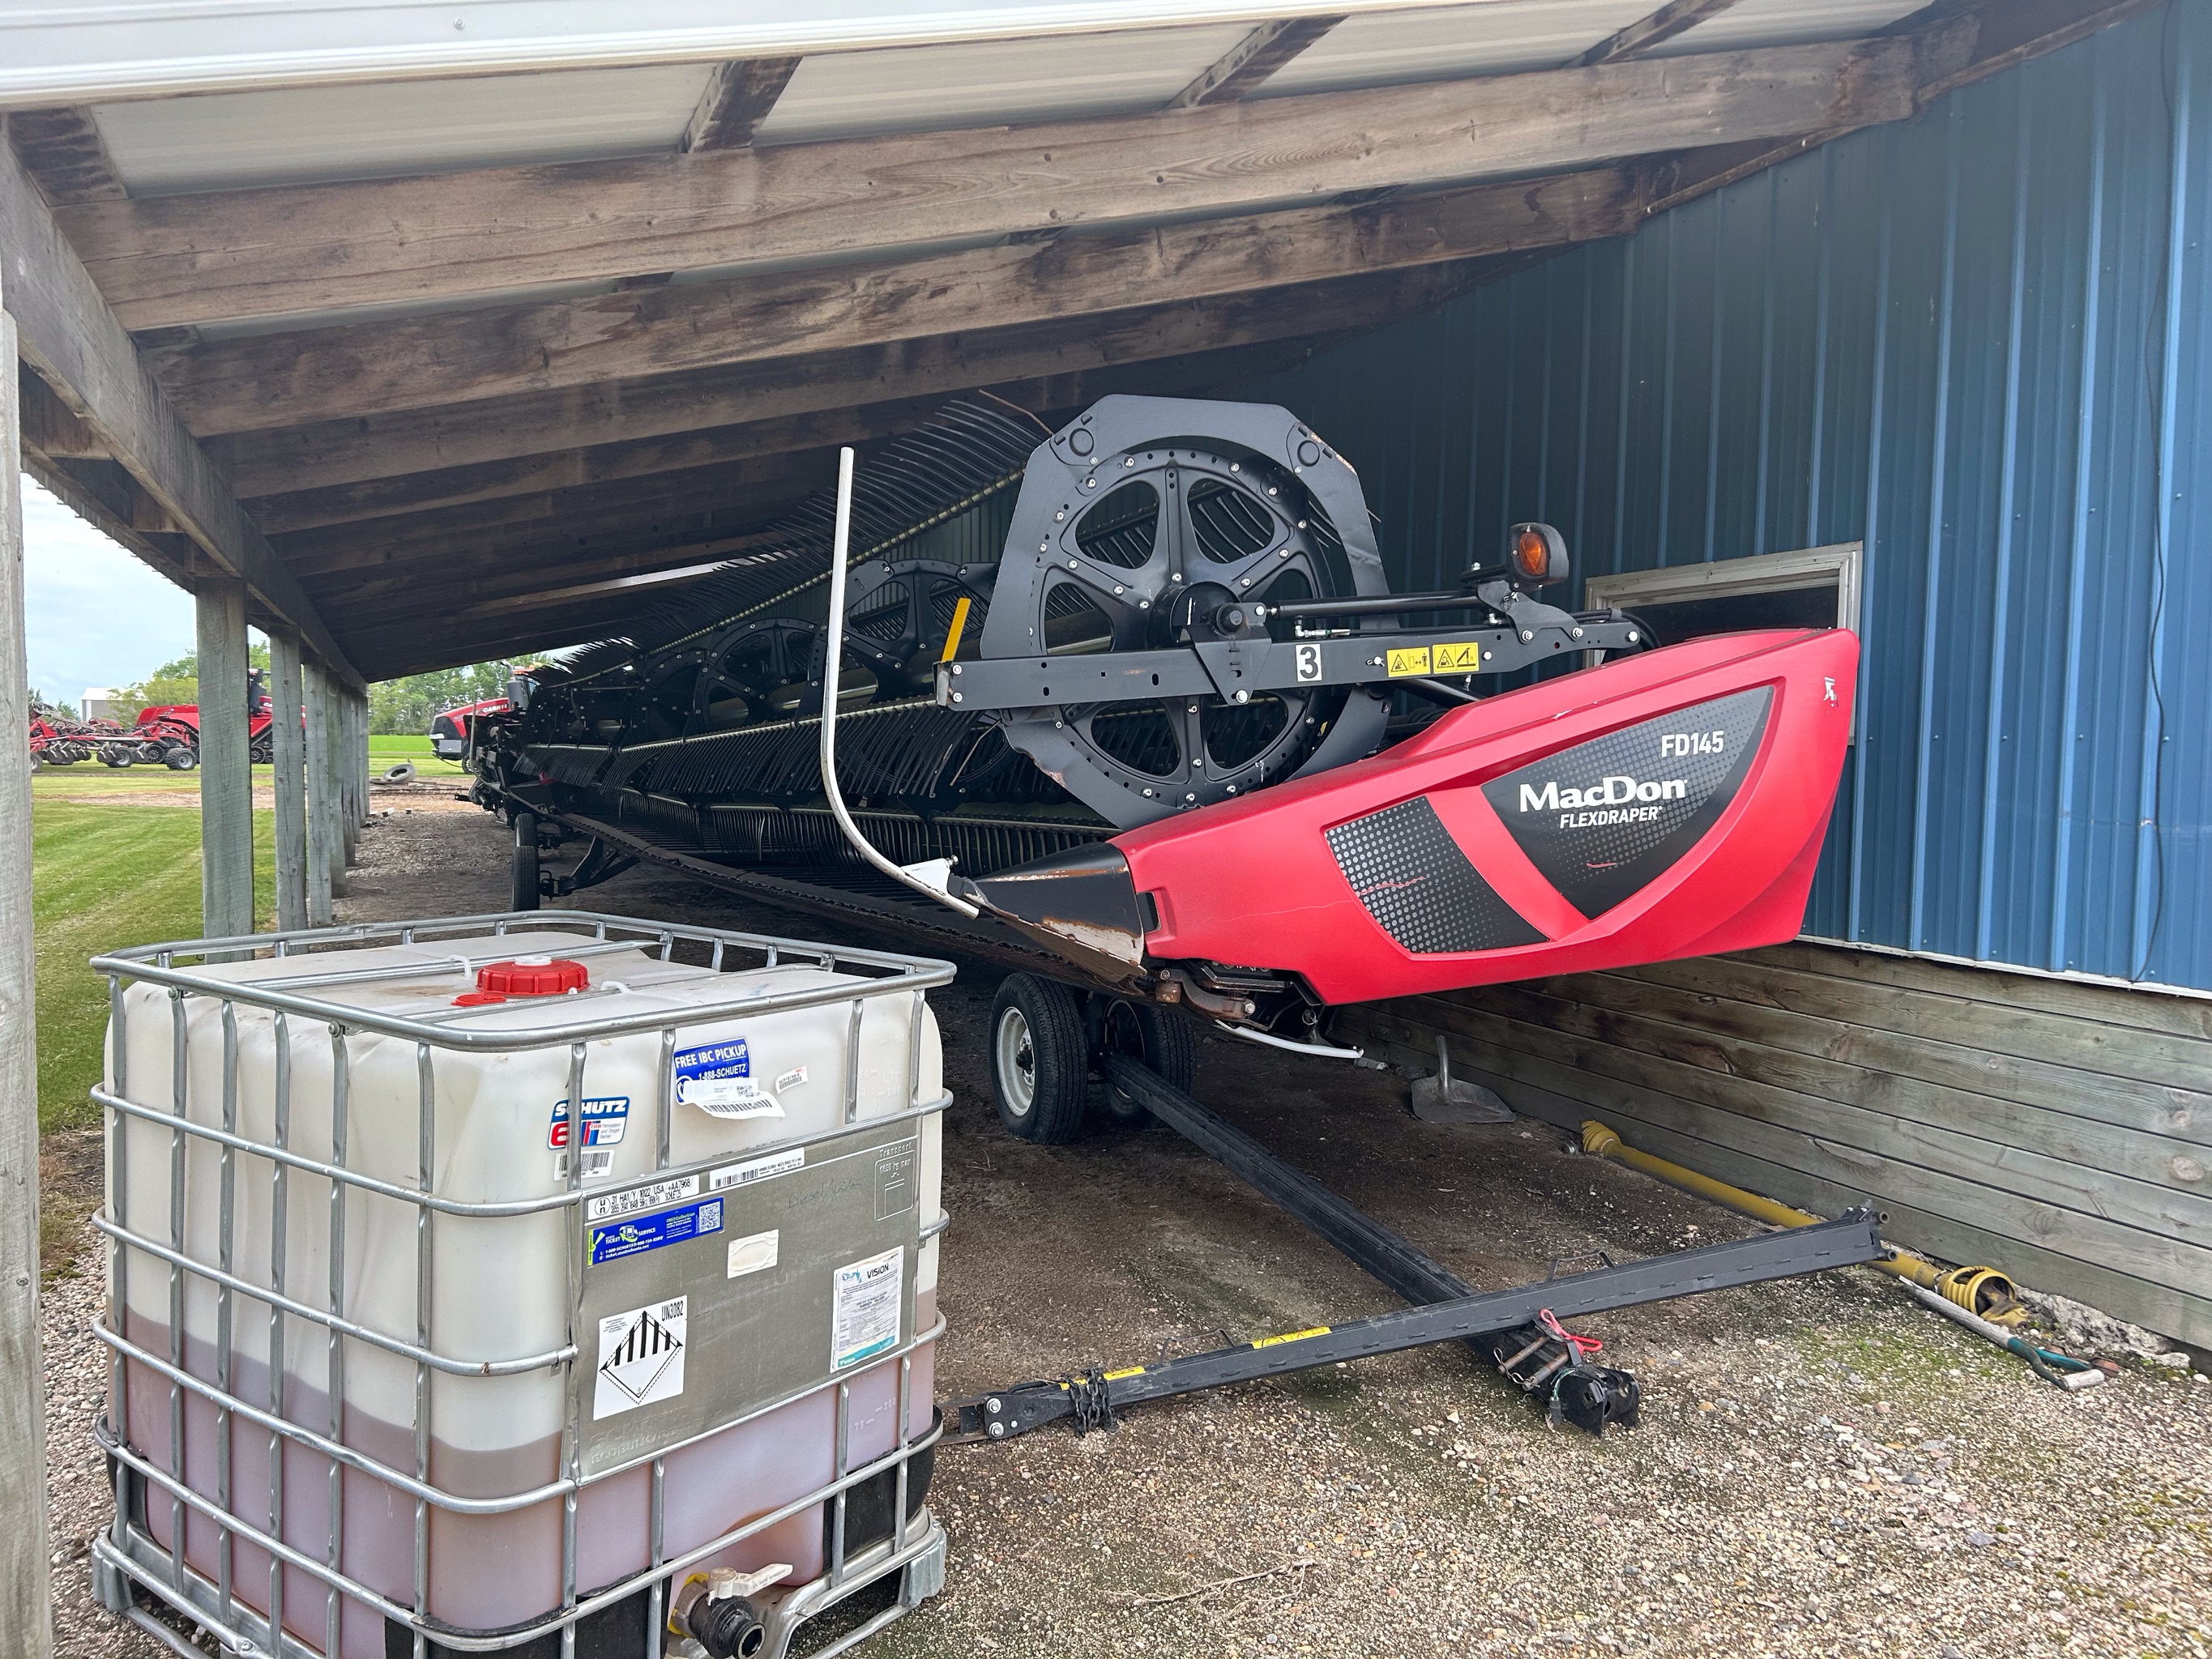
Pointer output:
x,y
25,1596
226,773
324,850
287,747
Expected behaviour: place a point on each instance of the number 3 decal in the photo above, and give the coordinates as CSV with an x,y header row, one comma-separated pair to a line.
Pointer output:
x,y
1308,662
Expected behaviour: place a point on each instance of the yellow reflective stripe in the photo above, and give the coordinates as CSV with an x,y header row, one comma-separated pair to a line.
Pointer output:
x,y
960,627
1132,1371
1291,1336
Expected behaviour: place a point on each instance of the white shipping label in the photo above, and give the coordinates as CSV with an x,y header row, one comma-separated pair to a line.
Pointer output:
x,y
729,1096
791,1079
864,1308
754,1254
760,1168
636,1201
641,1357
599,1164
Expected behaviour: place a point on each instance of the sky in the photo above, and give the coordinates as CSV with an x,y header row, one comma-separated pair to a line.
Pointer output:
x,y
92,613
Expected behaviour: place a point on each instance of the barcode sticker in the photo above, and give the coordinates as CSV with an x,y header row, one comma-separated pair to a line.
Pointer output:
x,y
598,1162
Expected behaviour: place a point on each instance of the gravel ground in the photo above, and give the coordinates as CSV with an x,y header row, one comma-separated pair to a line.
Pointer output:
x,y
1823,1467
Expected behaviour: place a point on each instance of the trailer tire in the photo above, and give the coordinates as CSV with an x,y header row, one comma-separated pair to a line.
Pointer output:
x,y
1039,1063
182,757
523,891
1162,1038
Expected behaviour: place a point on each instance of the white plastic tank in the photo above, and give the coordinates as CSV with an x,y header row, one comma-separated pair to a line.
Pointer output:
x,y
500,1287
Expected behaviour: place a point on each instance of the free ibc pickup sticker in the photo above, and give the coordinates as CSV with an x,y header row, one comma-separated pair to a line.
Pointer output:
x,y
717,1078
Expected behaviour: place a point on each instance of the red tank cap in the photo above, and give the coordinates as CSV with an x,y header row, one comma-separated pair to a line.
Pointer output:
x,y
478,998
532,976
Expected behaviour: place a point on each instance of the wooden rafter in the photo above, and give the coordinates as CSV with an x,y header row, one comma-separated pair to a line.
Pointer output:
x,y
371,368
738,98
530,475
63,153
1675,17
174,260
549,521
498,428
67,333
1241,70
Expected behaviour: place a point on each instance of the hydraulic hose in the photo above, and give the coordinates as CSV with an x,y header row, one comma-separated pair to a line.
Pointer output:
x,y
833,657
1982,1291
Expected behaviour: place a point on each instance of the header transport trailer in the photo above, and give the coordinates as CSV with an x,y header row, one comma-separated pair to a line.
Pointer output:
x,y
1169,739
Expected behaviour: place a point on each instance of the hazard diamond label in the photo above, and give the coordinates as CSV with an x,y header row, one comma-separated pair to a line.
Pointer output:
x,y
640,1358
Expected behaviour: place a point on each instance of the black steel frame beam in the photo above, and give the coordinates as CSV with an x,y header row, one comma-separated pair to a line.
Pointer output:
x,y
1851,1238
1229,667
1377,1251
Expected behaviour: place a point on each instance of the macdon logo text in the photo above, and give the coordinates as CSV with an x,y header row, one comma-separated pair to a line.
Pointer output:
x,y
1610,800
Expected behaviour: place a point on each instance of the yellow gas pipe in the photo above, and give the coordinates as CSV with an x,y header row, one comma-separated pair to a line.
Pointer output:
x,y
1981,1290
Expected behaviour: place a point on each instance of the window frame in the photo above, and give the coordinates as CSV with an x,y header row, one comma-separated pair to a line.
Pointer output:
x,y
1756,573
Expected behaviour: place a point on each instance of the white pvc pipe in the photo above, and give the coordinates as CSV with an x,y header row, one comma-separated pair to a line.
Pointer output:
x,y
1316,1050
833,658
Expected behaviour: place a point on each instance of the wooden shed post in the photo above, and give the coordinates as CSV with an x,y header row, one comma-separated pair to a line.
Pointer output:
x,y
287,747
25,1607
348,791
324,849
226,775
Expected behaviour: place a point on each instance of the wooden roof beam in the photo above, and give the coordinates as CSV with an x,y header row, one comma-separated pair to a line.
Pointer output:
x,y
331,548
1675,17
499,429
63,153
367,555
68,334
1249,64
738,98
734,445
375,367
169,261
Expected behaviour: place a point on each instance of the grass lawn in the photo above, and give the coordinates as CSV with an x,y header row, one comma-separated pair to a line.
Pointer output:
x,y
102,877
90,778
398,743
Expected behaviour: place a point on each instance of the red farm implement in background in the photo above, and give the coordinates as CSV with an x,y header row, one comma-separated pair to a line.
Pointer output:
x,y
449,729
60,739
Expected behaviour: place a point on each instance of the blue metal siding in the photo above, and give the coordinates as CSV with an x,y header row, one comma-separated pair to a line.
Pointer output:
x,y
1980,343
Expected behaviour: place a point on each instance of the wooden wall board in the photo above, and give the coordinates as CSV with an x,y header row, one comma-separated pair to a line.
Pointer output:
x,y
1821,1076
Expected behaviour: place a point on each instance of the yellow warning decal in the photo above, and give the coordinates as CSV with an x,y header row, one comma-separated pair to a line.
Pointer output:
x,y
1291,1336
1461,657
1411,659
1125,1372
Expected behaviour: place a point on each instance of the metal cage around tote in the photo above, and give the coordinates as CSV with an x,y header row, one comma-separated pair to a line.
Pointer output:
x,y
129,1555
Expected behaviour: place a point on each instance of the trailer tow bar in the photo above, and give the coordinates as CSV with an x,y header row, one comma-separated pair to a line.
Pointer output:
x,y
1451,1309
1095,1397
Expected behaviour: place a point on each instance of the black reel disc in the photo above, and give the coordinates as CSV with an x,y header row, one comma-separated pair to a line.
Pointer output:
x,y
1143,553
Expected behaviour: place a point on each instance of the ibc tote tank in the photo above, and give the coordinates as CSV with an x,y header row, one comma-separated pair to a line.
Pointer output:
x,y
752,1277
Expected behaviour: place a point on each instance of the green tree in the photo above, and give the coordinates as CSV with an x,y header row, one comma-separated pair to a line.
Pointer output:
x,y
177,682
407,706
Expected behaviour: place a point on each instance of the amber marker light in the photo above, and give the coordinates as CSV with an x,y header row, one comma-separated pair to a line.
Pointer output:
x,y
1531,555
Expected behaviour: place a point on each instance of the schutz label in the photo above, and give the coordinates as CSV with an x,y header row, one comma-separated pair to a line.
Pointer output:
x,y
602,1120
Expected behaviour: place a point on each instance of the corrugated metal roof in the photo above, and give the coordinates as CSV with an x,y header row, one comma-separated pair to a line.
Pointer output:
x,y
1984,343
1774,22
1496,37
390,128
991,83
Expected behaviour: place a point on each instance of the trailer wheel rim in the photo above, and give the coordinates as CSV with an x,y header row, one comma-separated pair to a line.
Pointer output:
x,y
1016,1054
